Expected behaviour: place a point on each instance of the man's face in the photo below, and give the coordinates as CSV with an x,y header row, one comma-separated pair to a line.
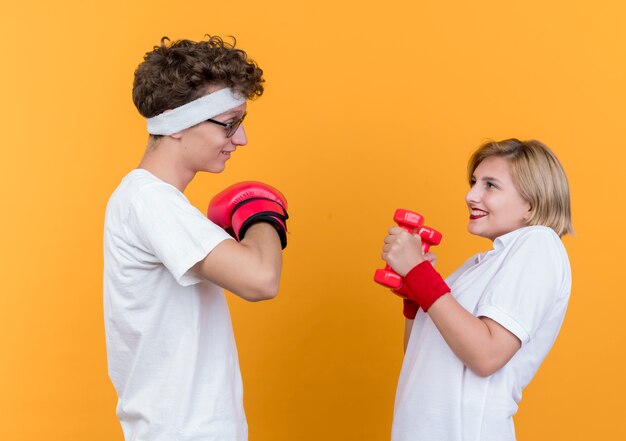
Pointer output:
x,y
205,145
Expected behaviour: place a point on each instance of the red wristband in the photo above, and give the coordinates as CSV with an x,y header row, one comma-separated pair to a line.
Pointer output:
x,y
410,308
425,285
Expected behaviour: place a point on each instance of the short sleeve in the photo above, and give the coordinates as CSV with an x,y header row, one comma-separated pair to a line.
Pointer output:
x,y
172,229
528,284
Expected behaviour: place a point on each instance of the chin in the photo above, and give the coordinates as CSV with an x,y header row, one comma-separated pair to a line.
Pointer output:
x,y
478,233
472,230
215,168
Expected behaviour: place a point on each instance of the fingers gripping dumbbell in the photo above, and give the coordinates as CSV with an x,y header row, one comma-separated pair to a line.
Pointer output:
x,y
411,222
429,238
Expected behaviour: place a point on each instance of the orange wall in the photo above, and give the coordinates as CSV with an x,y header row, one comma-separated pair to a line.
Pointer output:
x,y
369,106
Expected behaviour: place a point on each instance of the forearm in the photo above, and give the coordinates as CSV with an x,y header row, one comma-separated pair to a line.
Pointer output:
x,y
259,265
408,326
481,344
264,246
250,268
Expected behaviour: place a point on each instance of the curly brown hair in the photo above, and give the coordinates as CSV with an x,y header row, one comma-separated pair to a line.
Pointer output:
x,y
174,74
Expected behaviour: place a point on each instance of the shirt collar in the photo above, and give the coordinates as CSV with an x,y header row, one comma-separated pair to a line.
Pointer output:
x,y
500,243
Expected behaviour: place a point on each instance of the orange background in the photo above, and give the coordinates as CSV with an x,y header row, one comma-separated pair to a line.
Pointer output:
x,y
369,106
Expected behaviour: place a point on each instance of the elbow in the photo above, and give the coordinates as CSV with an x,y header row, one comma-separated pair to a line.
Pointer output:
x,y
484,368
261,295
265,288
482,371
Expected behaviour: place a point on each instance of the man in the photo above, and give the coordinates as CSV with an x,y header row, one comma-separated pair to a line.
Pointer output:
x,y
171,353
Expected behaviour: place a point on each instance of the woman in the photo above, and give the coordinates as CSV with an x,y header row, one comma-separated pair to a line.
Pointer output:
x,y
478,338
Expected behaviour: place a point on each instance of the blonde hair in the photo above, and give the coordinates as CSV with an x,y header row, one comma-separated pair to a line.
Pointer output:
x,y
538,176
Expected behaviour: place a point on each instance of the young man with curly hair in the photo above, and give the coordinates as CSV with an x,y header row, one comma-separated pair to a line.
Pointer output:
x,y
171,352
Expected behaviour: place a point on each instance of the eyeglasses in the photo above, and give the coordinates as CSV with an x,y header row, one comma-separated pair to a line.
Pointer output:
x,y
230,127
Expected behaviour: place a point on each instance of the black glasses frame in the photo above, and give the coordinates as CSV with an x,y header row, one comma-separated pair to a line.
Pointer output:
x,y
230,127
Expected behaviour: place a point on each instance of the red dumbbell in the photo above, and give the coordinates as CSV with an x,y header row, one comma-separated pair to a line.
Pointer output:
x,y
429,237
411,222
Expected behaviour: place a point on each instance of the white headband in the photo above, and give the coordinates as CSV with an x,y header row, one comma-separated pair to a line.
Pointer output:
x,y
194,112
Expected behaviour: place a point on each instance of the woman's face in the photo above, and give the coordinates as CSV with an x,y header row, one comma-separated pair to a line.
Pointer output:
x,y
495,205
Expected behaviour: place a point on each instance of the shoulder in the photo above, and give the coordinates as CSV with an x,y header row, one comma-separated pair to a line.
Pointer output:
x,y
538,250
138,183
535,239
144,189
144,201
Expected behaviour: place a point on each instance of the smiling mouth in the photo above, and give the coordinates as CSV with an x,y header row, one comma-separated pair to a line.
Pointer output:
x,y
477,214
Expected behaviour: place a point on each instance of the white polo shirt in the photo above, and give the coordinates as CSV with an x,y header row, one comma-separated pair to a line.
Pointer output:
x,y
523,284
170,347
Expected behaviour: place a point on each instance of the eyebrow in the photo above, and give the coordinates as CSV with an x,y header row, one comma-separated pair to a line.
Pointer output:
x,y
229,113
488,178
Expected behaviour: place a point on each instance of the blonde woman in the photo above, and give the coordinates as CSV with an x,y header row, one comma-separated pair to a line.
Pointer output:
x,y
477,339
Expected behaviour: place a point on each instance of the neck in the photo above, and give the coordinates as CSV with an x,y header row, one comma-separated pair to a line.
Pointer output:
x,y
161,159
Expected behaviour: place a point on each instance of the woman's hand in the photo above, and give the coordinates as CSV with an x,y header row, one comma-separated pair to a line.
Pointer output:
x,y
431,257
403,251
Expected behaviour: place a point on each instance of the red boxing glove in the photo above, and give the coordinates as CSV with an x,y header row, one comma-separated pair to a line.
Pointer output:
x,y
246,203
424,285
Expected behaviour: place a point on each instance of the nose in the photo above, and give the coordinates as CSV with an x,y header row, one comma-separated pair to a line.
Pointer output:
x,y
473,195
239,138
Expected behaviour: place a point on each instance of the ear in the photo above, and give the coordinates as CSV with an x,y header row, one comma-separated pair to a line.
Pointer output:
x,y
529,212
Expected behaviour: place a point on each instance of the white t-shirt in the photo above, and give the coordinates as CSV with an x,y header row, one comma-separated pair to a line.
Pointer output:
x,y
170,347
523,284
